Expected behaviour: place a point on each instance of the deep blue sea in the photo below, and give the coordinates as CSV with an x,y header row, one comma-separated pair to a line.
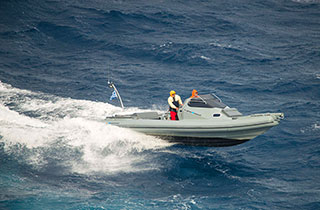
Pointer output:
x,y
56,56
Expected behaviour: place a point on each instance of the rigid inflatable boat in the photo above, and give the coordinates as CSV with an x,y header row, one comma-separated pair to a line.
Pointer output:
x,y
203,121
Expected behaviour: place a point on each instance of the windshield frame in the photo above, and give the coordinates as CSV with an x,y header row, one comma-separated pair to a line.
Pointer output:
x,y
206,101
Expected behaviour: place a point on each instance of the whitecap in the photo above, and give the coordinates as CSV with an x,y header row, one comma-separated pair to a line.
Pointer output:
x,y
221,45
72,132
204,58
306,1
316,126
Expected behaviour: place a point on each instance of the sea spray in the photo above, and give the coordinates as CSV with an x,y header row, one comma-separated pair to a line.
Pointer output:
x,y
71,132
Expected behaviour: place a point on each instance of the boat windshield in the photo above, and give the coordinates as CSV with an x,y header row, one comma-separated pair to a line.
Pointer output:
x,y
206,101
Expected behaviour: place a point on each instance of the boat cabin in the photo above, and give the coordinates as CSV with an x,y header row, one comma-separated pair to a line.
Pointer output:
x,y
207,106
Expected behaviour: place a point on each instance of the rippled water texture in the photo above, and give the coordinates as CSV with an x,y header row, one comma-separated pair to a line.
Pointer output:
x,y
57,152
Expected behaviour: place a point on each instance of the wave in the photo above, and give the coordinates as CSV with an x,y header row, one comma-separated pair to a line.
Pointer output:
x,y
307,1
49,132
66,34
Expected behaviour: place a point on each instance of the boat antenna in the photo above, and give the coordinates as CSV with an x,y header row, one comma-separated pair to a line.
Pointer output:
x,y
112,85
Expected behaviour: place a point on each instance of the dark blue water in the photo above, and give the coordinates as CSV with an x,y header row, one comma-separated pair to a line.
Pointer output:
x,y
56,152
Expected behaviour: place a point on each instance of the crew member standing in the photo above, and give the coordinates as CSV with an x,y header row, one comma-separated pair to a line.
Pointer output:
x,y
174,101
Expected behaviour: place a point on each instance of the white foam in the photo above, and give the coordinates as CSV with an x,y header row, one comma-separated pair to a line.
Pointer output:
x,y
107,148
306,1
75,124
221,45
204,58
16,128
315,127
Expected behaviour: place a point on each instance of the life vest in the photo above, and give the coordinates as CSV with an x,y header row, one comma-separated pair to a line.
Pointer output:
x,y
176,103
194,94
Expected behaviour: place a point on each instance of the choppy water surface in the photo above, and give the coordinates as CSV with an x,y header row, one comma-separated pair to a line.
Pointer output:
x,y
57,152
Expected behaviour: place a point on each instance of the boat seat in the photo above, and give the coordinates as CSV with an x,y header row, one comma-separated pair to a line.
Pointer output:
x,y
147,115
231,112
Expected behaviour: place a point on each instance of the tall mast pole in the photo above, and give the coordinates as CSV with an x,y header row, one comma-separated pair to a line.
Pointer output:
x,y
111,85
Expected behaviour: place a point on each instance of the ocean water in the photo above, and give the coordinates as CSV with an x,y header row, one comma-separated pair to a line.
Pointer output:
x,y
57,152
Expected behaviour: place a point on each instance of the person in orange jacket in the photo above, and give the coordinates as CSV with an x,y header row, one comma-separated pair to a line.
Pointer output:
x,y
194,94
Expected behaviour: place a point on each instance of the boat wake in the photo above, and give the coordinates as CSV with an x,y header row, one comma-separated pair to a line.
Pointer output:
x,y
50,133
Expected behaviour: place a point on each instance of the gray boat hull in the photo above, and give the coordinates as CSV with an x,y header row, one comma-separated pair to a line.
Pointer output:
x,y
203,132
210,123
